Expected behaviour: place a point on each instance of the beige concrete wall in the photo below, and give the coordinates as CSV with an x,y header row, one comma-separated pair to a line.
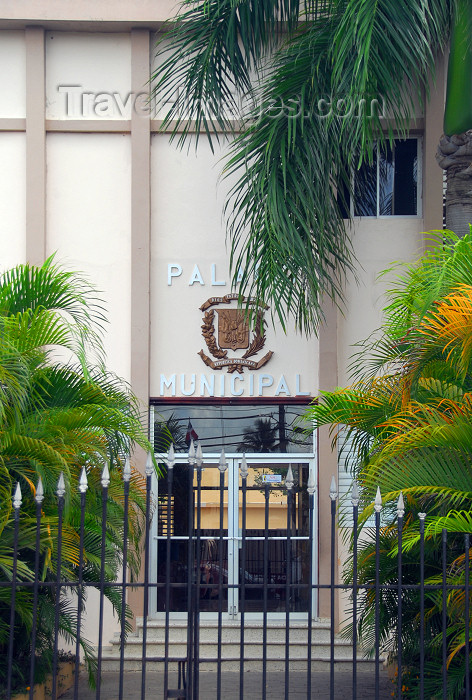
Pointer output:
x,y
88,225
12,74
378,244
13,199
88,75
189,264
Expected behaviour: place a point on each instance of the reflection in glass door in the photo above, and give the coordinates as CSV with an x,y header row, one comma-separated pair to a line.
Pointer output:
x,y
241,562
211,569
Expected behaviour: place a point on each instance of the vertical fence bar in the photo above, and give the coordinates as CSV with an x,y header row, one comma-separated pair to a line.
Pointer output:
x,y
149,472
83,485
422,517
444,613
333,494
265,584
126,480
311,507
190,568
400,514
39,497
222,465
288,578
16,508
60,507
105,481
467,614
196,643
355,522
170,477
244,473
378,508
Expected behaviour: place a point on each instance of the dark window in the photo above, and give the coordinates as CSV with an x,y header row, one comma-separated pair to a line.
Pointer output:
x,y
388,186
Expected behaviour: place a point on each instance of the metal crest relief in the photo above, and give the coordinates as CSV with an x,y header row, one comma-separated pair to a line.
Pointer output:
x,y
233,334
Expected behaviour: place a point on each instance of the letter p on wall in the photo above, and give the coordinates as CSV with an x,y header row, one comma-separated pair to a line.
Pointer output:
x,y
173,270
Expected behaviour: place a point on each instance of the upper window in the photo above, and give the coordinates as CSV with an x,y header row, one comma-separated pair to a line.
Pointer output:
x,y
238,428
389,186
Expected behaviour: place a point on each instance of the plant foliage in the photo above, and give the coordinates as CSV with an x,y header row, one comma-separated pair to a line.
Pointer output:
x,y
303,87
58,416
406,421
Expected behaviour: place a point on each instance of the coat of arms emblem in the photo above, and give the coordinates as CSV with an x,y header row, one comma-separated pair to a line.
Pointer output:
x,y
233,334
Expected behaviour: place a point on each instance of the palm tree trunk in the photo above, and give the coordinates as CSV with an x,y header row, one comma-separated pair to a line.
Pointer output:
x,y
454,155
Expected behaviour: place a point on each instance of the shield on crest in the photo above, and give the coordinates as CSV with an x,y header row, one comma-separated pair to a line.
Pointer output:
x,y
233,329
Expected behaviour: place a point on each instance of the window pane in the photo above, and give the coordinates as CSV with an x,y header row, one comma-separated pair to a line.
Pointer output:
x,y
365,190
343,195
386,180
406,178
251,429
397,186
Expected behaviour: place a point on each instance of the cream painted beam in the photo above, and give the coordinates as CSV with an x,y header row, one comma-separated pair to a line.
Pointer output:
x,y
12,124
89,126
88,12
35,147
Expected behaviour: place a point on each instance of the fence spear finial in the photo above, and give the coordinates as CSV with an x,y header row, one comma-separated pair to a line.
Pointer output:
x,y
127,470
355,494
83,483
243,467
222,464
289,480
333,489
191,453
39,495
400,506
17,498
105,480
378,501
61,486
171,456
149,468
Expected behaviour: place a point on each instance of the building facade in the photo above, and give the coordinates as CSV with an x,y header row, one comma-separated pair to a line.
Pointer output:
x,y
88,175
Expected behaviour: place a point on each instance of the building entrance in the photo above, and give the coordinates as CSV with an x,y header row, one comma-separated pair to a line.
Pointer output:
x,y
245,552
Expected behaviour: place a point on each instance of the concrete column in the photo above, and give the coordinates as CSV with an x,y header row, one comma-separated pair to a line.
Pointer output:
x,y
432,173
140,249
327,458
140,222
35,146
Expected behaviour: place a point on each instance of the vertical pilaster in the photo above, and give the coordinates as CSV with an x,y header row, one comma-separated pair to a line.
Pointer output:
x,y
432,173
327,458
35,146
140,248
140,221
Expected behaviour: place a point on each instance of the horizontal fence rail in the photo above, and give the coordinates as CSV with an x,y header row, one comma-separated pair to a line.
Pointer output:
x,y
194,577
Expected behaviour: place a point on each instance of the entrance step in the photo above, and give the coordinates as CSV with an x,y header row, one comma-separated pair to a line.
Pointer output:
x,y
253,631
230,650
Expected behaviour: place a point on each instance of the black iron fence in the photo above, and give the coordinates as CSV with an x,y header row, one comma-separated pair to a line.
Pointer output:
x,y
419,615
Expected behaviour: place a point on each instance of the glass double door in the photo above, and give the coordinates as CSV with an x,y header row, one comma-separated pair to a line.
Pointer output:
x,y
244,567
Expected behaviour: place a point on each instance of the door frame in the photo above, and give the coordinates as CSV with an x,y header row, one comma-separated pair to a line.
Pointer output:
x,y
233,484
